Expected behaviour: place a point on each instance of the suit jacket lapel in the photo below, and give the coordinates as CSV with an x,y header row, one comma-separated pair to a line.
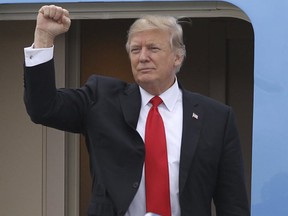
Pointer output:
x,y
192,121
130,102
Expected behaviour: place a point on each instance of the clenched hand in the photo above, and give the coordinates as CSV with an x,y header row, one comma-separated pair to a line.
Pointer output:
x,y
51,22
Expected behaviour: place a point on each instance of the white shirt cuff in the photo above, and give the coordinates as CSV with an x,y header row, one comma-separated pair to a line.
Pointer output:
x,y
37,56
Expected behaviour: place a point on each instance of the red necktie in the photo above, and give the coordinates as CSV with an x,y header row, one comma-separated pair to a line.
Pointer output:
x,y
156,163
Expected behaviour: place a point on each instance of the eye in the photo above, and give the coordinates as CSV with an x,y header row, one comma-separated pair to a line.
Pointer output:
x,y
154,48
135,50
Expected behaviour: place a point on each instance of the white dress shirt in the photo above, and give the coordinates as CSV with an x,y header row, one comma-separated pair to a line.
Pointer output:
x,y
171,111
37,56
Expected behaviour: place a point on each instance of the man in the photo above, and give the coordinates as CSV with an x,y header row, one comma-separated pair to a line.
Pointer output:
x,y
200,151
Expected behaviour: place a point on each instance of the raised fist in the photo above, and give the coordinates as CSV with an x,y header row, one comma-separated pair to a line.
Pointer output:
x,y
51,22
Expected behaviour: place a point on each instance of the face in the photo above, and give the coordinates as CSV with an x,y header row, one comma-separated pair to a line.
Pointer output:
x,y
153,61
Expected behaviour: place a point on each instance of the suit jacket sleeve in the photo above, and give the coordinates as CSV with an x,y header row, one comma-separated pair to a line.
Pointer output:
x,y
230,196
95,110
58,108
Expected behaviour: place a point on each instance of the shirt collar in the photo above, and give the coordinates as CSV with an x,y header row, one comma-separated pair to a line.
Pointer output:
x,y
169,97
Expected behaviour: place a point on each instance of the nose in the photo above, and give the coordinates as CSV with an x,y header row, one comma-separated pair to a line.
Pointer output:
x,y
144,55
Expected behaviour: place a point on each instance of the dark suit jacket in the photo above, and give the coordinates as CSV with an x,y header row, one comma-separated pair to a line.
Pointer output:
x,y
106,111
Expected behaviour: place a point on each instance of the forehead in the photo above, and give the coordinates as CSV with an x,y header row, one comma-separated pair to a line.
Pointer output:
x,y
155,36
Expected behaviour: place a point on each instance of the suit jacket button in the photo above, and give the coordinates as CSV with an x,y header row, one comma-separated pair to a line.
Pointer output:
x,y
121,213
135,185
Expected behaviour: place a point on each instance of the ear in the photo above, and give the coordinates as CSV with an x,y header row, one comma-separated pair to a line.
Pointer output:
x,y
178,60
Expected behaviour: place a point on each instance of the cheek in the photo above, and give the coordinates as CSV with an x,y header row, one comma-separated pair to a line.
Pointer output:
x,y
133,62
133,69
133,65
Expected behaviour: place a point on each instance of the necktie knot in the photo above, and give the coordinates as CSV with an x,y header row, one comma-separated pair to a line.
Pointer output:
x,y
156,101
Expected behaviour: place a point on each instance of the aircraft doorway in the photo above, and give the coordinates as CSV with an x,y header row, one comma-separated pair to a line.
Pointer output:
x,y
219,64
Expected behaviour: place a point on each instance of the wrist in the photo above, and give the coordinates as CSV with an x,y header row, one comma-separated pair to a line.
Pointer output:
x,y
43,39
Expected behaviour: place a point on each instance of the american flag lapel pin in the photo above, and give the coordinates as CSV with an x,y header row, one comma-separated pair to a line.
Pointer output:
x,y
194,115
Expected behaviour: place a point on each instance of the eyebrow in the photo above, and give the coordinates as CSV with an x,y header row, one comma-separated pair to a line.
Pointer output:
x,y
147,44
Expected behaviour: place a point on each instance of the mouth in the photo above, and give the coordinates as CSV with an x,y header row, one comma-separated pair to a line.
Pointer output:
x,y
145,70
